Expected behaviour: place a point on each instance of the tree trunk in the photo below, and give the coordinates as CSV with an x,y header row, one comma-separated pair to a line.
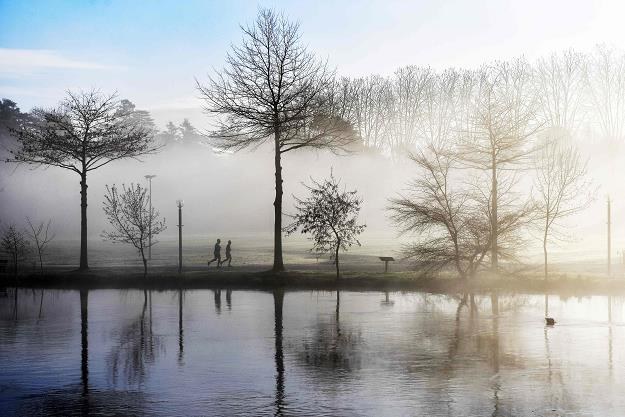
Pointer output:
x,y
278,264
40,261
545,253
336,259
145,263
493,222
84,265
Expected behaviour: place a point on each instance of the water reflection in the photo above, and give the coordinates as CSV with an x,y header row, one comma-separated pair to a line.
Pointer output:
x,y
329,346
610,335
345,353
180,328
387,301
136,348
217,297
84,350
278,301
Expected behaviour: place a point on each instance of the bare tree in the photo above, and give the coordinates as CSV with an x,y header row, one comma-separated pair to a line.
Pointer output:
x,y
560,83
499,139
40,234
562,186
131,217
605,78
274,89
15,244
330,216
452,224
87,131
409,95
441,114
371,110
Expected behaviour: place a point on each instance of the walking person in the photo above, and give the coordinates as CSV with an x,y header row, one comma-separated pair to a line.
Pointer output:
x,y
216,254
228,256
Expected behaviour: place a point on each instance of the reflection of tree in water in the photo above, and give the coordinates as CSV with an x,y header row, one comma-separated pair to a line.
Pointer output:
x,y
136,348
80,399
329,345
69,401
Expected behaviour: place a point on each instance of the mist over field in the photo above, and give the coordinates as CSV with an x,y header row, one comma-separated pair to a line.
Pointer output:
x,y
397,89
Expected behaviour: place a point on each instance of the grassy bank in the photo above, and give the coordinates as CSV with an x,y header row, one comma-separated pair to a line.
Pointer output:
x,y
299,278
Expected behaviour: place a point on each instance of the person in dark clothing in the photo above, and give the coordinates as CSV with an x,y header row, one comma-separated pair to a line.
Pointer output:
x,y
216,254
228,256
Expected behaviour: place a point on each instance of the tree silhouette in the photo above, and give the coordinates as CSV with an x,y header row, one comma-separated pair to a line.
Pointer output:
x,y
273,89
85,132
330,216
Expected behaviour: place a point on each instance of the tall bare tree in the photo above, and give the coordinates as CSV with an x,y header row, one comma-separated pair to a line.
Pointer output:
x,y
87,131
605,77
409,95
499,139
562,187
371,111
273,89
561,84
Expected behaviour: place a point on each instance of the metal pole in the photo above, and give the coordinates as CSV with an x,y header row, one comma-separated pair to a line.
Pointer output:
x,y
609,241
179,235
149,178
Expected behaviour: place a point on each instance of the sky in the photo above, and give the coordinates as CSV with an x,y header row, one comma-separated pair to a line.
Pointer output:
x,y
151,52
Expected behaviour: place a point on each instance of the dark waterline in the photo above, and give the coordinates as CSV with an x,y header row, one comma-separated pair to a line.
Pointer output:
x,y
143,352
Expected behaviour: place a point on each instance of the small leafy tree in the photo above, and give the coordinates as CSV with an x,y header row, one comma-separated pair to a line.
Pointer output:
x,y
129,213
15,244
41,236
330,216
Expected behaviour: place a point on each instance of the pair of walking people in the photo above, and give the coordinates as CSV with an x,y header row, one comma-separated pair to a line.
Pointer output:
x,y
217,254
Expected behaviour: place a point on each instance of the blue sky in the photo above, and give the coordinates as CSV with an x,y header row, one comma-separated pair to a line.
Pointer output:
x,y
151,51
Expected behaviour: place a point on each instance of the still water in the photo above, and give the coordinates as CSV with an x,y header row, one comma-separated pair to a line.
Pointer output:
x,y
221,352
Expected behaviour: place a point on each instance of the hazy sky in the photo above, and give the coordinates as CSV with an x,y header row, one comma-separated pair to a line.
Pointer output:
x,y
150,51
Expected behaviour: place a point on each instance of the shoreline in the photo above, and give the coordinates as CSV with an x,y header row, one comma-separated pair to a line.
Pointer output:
x,y
258,277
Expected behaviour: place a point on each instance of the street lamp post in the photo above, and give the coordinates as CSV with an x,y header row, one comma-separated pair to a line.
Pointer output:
x,y
180,203
149,178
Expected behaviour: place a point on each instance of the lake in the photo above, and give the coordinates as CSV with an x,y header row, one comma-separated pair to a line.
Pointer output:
x,y
229,353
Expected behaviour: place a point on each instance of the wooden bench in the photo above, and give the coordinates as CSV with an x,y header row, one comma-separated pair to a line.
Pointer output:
x,y
386,260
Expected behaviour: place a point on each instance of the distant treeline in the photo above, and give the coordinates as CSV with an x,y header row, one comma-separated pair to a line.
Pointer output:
x,y
577,92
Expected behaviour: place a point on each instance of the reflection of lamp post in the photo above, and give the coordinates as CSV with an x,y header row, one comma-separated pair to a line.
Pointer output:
x,y
180,203
149,178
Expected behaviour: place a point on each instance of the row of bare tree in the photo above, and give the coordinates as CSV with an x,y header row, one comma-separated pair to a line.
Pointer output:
x,y
574,91
19,244
475,135
471,132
